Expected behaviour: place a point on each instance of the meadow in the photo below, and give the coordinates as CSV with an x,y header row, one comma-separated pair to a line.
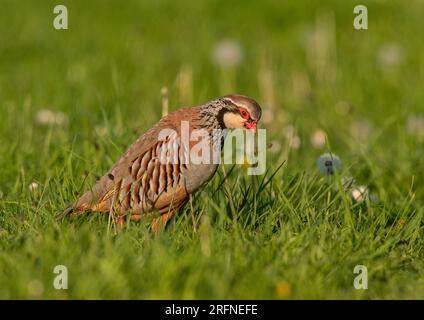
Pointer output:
x,y
71,101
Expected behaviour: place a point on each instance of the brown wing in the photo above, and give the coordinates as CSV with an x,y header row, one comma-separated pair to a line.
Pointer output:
x,y
155,179
140,180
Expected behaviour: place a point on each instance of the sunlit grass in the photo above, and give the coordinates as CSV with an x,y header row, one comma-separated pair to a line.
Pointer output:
x,y
72,101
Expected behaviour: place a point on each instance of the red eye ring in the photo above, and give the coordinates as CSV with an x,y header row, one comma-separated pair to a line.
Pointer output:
x,y
244,114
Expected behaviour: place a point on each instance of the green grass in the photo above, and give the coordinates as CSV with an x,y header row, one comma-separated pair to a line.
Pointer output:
x,y
301,235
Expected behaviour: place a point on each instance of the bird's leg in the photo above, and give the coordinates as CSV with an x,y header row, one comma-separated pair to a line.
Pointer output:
x,y
159,223
119,220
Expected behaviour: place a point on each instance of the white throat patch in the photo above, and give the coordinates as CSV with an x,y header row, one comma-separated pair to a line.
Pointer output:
x,y
233,121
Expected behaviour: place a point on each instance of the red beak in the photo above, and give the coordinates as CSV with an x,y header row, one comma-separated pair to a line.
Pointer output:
x,y
251,126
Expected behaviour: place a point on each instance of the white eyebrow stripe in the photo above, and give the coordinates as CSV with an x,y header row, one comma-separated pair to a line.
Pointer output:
x,y
237,104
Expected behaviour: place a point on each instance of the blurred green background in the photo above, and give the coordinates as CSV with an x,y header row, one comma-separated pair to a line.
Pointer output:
x,y
71,101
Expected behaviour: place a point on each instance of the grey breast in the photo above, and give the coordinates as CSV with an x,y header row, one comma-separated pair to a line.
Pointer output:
x,y
198,174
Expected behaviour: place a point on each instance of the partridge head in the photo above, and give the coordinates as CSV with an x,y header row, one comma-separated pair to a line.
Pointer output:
x,y
156,173
242,112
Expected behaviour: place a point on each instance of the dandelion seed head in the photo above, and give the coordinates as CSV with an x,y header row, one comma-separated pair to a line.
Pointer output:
x,y
227,53
318,138
361,129
328,163
49,117
295,142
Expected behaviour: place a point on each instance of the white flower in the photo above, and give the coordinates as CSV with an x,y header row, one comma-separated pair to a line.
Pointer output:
x,y
289,131
227,53
49,117
33,187
361,129
275,146
292,137
390,54
268,116
360,193
328,163
318,138
295,142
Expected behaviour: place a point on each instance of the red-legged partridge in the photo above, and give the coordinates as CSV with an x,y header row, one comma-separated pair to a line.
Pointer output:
x,y
141,182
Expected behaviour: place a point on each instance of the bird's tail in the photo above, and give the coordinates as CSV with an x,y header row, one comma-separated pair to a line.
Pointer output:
x,y
95,199
69,210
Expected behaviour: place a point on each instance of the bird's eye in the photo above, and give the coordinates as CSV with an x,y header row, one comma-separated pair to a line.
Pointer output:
x,y
244,113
